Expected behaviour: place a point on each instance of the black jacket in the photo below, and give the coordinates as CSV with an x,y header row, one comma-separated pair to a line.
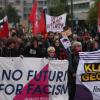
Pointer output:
x,y
30,51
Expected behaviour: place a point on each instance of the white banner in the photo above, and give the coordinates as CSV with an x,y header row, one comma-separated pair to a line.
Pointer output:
x,y
88,76
55,23
65,42
33,79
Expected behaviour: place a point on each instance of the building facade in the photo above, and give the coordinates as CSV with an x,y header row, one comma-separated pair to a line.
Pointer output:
x,y
24,6
80,8
42,4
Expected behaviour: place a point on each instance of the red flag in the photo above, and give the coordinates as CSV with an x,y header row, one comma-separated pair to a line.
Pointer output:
x,y
99,17
4,30
33,18
42,24
32,14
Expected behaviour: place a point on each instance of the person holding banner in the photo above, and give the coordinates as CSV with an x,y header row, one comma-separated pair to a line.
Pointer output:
x,y
1,48
10,49
51,55
76,48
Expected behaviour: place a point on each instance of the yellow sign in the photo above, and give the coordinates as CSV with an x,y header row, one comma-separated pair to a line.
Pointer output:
x,y
92,72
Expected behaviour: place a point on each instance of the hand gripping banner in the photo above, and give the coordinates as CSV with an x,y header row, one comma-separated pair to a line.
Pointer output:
x,y
33,79
88,76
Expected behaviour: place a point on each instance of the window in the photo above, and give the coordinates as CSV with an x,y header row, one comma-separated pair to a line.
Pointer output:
x,y
81,6
25,16
0,2
17,2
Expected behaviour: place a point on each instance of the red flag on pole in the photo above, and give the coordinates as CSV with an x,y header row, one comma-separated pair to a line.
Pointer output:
x,y
32,14
42,24
99,17
4,30
33,18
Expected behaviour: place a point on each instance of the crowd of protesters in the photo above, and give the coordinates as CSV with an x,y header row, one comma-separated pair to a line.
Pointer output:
x,y
50,47
19,44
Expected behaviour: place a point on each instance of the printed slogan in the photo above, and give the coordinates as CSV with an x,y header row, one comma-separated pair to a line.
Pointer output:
x,y
33,79
55,23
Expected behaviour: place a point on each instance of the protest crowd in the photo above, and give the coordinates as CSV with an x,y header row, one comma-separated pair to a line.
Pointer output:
x,y
63,45
19,44
22,43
